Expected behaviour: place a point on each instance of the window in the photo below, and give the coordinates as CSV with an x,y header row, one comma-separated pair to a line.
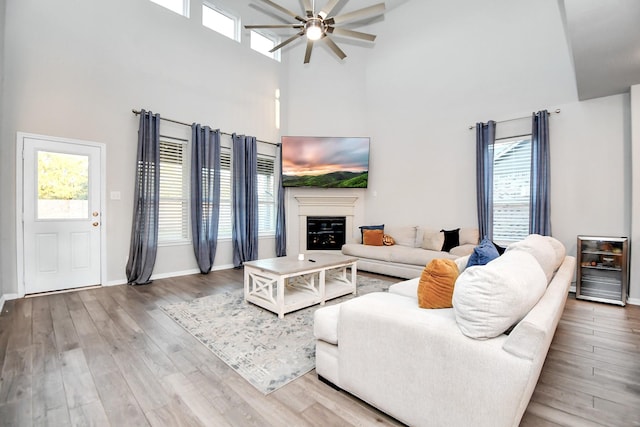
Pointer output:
x,y
266,196
511,188
173,221
224,223
181,7
220,21
263,44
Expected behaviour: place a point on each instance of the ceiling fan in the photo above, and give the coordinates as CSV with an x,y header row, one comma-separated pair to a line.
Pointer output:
x,y
319,26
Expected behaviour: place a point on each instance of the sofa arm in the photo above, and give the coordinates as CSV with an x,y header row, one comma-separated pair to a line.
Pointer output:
x,y
416,365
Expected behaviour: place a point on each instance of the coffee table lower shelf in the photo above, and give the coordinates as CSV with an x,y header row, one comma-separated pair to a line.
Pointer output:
x,y
293,287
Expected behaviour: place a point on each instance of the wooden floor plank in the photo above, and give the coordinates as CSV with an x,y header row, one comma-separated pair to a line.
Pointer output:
x,y
111,356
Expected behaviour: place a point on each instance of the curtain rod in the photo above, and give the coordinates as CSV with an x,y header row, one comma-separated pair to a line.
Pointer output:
x,y
557,111
137,113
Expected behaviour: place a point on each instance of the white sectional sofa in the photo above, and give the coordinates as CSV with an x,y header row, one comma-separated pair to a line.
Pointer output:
x,y
413,249
453,366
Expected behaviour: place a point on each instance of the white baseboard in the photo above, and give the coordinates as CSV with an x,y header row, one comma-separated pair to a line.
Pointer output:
x,y
633,301
171,274
7,297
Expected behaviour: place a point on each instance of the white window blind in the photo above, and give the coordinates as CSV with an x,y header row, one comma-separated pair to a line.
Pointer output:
x,y
173,222
511,189
225,224
266,196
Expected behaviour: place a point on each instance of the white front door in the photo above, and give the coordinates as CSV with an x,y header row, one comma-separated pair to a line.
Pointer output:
x,y
61,214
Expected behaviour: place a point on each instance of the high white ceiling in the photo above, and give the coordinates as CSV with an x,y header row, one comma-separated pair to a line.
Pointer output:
x,y
604,37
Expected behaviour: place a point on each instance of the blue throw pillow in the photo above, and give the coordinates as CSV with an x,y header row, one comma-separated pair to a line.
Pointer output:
x,y
483,253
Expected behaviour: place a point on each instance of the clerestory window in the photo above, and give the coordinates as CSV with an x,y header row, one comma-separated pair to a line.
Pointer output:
x,y
263,43
181,7
220,21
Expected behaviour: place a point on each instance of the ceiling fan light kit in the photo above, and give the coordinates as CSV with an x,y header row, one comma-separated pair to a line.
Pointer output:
x,y
314,29
319,26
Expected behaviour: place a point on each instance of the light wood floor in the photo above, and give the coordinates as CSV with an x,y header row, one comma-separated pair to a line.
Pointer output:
x,y
109,356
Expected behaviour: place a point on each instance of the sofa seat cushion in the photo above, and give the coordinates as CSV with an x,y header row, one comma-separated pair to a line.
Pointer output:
x,y
325,323
416,256
381,253
462,250
408,288
489,299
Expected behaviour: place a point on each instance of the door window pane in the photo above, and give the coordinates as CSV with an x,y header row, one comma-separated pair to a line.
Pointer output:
x,y
63,186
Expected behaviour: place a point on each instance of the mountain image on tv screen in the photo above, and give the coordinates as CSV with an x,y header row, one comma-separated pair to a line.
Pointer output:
x,y
325,162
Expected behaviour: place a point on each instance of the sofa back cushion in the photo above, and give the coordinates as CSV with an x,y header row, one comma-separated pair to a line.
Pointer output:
x,y
469,236
559,249
402,235
435,288
541,249
489,299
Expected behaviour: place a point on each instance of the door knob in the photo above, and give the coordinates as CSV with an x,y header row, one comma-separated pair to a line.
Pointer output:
x,y
95,213
95,224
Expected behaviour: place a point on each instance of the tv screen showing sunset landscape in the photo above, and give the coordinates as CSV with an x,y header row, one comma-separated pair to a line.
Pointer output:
x,y
326,162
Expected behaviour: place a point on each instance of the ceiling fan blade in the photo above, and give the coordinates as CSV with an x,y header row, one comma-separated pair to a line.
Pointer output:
x,y
351,33
250,27
356,14
307,54
328,8
308,8
284,10
334,47
287,41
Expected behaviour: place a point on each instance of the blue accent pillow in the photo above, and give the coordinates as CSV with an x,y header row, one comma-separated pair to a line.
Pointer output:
x,y
370,227
483,253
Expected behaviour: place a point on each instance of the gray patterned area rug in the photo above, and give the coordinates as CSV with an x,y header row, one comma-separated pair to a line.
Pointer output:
x,y
266,351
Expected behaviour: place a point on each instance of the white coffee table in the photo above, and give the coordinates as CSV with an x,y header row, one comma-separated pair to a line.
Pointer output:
x,y
286,284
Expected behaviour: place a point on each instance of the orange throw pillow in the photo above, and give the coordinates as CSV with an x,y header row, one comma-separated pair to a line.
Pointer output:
x,y
372,237
435,289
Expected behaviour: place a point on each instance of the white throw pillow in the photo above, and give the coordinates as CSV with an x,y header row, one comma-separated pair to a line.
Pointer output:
x,y
541,249
489,299
432,240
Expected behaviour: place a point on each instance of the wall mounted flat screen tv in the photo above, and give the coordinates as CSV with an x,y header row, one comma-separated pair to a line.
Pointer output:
x,y
325,162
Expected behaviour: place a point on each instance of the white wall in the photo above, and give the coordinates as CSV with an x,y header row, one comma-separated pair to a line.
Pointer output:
x,y
438,67
2,151
76,69
634,288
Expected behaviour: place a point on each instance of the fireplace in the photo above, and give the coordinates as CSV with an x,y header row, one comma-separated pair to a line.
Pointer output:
x,y
326,232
